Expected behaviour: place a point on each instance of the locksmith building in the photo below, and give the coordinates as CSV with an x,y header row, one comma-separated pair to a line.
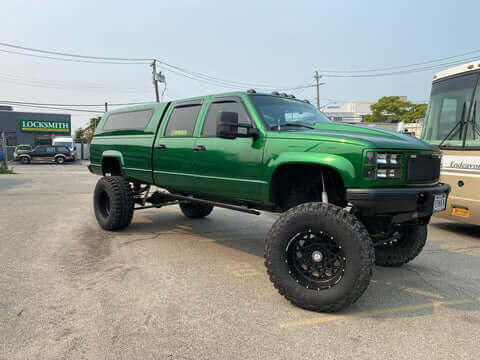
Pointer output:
x,y
33,128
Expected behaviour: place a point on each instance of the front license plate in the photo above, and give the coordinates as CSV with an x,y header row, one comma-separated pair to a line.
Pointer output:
x,y
439,202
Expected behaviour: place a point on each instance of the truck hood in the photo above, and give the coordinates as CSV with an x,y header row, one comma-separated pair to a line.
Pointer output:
x,y
356,135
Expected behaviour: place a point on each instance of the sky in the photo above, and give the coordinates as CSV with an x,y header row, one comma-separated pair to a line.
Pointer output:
x,y
279,43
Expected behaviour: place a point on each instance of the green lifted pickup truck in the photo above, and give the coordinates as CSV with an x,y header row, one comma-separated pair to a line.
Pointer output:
x,y
349,196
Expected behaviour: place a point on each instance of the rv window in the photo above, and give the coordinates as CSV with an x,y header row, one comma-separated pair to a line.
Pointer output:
x,y
131,120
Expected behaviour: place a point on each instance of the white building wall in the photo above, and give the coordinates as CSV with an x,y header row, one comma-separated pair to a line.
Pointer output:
x,y
349,112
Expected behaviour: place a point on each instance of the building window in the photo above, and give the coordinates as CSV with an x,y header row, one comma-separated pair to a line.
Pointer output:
x,y
11,139
43,140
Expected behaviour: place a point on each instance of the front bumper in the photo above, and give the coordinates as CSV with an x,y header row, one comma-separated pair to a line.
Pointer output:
x,y
417,201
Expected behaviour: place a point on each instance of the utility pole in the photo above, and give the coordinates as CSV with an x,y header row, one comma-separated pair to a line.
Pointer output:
x,y
317,85
155,79
4,150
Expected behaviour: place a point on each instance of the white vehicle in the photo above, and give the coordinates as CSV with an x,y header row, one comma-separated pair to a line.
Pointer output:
x,y
65,141
453,123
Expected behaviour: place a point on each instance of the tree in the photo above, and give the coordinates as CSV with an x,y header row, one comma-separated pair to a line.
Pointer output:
x,y
86,134
79,135
390,108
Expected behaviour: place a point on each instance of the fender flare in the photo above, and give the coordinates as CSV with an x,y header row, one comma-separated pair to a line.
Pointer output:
x,y
113,154
57,155
24,155
341,165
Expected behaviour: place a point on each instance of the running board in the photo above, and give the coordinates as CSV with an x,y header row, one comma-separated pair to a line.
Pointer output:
x,y
169,196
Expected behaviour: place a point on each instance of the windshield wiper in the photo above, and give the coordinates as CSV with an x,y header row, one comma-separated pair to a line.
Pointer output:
x,y
292,125
455,129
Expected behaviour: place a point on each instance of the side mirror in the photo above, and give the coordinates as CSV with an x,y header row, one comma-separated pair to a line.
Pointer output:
x,y
227,126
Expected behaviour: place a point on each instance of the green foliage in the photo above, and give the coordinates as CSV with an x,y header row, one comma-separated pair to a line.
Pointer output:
x,y
79,135
390,108
4,171
86,134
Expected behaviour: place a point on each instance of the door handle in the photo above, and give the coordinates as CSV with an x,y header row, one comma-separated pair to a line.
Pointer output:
x,y
199,148
161,146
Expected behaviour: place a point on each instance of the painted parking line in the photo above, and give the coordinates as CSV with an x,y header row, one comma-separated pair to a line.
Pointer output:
x,y
423,293
328,318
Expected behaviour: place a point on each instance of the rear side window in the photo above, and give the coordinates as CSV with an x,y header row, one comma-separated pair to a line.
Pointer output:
x,y
62,149
50,150
182,120
210,126
131,120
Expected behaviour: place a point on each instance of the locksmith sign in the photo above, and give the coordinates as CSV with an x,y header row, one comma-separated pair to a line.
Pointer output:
x,y
45,126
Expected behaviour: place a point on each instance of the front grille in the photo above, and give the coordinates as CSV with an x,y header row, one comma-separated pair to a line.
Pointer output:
x,y
423,169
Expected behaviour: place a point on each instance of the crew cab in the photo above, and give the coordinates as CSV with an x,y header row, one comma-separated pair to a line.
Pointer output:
x,y
349,196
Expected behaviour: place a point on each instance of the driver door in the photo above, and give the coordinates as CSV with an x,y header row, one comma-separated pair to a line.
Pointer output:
x,y
230,168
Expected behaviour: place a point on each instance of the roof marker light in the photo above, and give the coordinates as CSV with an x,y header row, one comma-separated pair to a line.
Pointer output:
x,y
470,67
434,77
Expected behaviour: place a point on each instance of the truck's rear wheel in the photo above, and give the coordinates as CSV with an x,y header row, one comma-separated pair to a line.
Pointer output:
x,y
113,203
404,246
319,257
195,210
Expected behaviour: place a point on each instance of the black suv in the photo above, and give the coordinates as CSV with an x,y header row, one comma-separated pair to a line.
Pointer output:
x,y
56,153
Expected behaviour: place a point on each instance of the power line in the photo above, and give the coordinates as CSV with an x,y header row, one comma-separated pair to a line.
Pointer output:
x,y
201,77
53,108
73,55
64,86
81,105
73,60
402,72
402,66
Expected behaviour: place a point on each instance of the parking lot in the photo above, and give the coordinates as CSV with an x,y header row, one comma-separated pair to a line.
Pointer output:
x,y
169,287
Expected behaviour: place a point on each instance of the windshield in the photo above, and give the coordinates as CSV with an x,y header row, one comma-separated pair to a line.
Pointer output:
x,y
448,111
285,114
473,124
64,143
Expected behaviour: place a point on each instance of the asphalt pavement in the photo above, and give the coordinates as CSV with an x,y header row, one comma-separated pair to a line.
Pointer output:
x,y
169,287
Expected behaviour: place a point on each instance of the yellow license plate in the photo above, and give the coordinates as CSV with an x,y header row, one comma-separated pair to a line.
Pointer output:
x,y
460,212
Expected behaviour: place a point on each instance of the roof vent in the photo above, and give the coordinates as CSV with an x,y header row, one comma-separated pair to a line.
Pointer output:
x,y
251,91
283,94
291,96
275,93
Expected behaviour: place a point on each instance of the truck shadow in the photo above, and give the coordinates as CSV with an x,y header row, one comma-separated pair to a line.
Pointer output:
x,y
417,289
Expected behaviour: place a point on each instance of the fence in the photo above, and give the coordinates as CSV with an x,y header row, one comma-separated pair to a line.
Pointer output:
x,y
82,151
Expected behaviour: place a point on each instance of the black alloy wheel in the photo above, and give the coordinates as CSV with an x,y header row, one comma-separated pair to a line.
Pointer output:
x,y
315,260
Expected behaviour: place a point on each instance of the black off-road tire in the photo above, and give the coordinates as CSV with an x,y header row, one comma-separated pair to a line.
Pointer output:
x,y
352,238
195,210
403,250
113,203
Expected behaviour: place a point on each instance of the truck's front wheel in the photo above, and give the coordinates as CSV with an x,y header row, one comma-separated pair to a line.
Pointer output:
x,y
113,203
404,246
319,257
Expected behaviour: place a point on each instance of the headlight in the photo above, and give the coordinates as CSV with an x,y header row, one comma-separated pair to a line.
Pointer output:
x,y
383,158
383,165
